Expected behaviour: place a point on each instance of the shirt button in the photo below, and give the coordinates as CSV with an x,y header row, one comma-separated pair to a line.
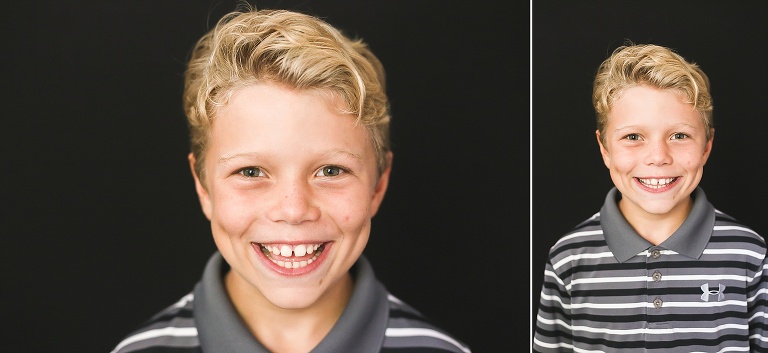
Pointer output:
x,y
657,276
655,253
657,303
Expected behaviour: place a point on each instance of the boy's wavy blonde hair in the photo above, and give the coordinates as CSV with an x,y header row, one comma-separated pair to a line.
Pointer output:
x,y
631,65
288,48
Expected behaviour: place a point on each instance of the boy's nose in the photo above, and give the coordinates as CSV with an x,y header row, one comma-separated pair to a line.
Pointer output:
x,y
293,203
658,153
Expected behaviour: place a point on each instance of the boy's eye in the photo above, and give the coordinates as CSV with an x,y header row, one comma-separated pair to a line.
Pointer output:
x,y
329,170
632,137
251,172
679,135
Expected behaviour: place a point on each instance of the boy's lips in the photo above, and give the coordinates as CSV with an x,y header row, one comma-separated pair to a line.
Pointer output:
x,y
291,256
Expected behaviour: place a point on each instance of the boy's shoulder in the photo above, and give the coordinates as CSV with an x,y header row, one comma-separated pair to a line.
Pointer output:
x,y
409,330
585,238
173,329
729,226
587,230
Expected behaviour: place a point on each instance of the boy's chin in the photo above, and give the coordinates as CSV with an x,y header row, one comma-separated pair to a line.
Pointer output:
x,y
294,299
659,208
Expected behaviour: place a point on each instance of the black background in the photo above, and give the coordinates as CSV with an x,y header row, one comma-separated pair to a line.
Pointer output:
x,y
570,40
101,226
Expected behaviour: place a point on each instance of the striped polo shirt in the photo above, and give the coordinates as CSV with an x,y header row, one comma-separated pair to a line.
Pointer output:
x,y
206,321
606,289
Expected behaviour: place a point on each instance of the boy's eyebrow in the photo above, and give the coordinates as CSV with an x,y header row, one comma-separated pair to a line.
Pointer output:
x,y
686,124
620,128
226,159
335,152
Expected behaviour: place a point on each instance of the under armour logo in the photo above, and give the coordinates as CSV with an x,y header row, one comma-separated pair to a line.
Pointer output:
x,y
707,292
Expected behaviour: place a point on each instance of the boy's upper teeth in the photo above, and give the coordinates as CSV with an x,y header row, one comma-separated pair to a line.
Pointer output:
x,y
289,250
657,182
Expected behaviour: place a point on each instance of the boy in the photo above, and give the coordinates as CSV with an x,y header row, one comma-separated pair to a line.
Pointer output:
x,y
289,126
658,269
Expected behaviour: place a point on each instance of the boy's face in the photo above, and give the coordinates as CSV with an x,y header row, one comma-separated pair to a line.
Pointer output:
x,y
655,148
290,190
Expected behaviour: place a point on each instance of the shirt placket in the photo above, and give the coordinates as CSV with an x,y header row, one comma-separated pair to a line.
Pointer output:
x,y
655,313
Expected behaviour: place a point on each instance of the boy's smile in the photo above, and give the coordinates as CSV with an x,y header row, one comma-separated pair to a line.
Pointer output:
x,y
655,149
293,260
288,256
290,188
656,184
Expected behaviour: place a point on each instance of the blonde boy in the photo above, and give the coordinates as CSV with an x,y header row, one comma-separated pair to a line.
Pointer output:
x,y
658,269
291,159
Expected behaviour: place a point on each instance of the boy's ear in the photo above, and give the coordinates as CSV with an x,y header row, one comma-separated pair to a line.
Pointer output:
x,y
381,186
603,151
708,146
202,192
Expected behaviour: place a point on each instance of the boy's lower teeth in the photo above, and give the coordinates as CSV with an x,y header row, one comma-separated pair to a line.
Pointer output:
x,y
295,264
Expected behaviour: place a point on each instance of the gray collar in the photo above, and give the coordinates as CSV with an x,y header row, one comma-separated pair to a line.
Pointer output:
x,y
689,240
360,328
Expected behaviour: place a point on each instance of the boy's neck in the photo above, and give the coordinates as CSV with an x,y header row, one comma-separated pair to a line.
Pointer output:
x,y
655,228
289,330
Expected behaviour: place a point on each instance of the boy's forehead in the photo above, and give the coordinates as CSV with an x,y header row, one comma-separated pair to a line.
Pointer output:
x,y
643,99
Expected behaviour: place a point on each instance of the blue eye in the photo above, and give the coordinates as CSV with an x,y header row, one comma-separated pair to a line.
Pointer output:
x,y
251,172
